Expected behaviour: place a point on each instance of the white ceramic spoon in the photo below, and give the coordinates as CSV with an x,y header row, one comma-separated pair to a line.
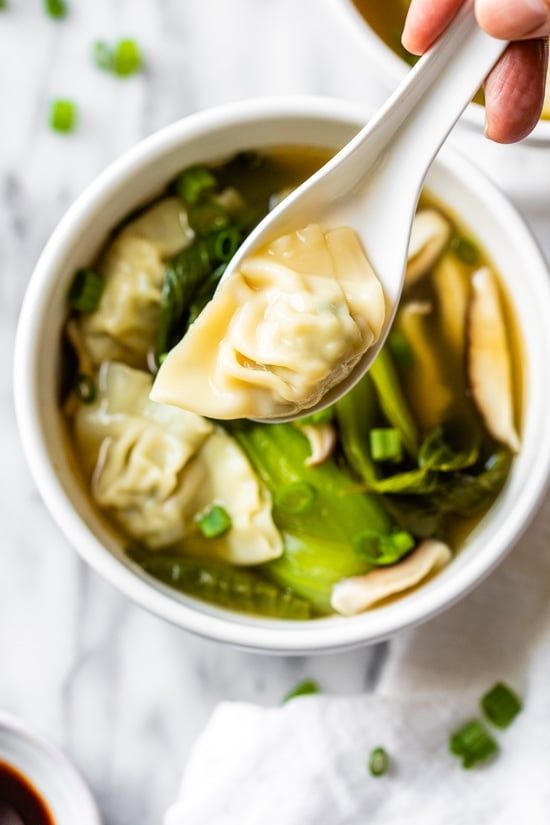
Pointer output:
x,y
374,182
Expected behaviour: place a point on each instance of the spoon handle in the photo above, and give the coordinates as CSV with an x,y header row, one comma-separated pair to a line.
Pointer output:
x,y
423,110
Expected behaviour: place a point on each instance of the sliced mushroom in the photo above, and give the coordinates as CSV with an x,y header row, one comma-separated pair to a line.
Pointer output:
x,y
322,441
429,395
489,363
453,292
352,596
430,233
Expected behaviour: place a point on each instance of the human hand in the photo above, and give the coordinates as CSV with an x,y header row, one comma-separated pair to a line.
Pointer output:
x,y
514,91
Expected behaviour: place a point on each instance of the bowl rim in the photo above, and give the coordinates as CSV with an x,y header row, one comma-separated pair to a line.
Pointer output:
x,y
261,635
61,763
394,68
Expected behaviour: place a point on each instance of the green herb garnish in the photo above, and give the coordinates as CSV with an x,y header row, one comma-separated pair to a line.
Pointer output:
x,y
472,743
85,388
86,290
501,705
386,445
226,243
465,250
306,687
63,115
56,8
379,762
193,183
381,550
215,523
126,59
103,55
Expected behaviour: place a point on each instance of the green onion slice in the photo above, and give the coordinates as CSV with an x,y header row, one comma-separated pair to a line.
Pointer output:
x,y
465,250
296,497
207,218
55,8
381,549
85,388
193,183
501,705
226,244
472,743
306,687
126,58
86,290
379,762
215,522
63,115
386,445
103,55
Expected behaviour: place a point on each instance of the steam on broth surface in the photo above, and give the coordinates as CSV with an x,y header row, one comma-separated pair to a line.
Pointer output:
x,y
337,512
387,19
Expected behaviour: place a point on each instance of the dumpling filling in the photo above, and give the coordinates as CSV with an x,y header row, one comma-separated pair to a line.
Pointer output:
x,y
279,334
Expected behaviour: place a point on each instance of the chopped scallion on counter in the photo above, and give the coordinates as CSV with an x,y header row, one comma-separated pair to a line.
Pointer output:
x,y
501,705
306,687
215,522
85,388
3,5
103,55
193,183
86,290
386,445
472,743
379,762
296,497
127,58
63,115
56,8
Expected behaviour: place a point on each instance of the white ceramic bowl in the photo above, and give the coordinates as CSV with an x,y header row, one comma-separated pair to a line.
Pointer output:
x,y
522,170
141,174
49,772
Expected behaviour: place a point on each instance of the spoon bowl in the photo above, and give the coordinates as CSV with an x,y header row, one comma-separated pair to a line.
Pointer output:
x,y
373,184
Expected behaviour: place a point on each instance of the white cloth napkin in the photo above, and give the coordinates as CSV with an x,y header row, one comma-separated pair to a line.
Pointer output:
x,y
306,763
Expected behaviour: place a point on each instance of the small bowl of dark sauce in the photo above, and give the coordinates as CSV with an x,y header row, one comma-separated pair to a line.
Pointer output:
x,y
38,784
20,802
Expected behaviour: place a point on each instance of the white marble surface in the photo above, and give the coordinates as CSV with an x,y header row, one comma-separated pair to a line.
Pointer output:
x,y
124,693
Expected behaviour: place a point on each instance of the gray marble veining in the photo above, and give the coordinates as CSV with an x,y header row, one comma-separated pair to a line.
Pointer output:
x,y
123,692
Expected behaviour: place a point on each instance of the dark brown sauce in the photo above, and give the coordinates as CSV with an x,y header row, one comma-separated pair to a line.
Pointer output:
x,y
20,802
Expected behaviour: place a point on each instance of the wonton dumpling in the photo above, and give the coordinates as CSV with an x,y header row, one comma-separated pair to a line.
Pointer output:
x,y
124,325
291,324
156,468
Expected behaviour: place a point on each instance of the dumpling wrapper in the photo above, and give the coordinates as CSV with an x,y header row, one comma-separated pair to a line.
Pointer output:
x,y
124,325
291,324
156,468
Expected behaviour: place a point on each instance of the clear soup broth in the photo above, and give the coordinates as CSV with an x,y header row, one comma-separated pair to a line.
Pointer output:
x,y
270,519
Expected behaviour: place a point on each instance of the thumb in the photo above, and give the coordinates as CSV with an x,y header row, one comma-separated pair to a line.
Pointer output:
x,y
514,19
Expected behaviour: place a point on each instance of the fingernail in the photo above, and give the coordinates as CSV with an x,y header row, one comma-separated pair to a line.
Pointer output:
x,y
512,19
534,14
526,14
